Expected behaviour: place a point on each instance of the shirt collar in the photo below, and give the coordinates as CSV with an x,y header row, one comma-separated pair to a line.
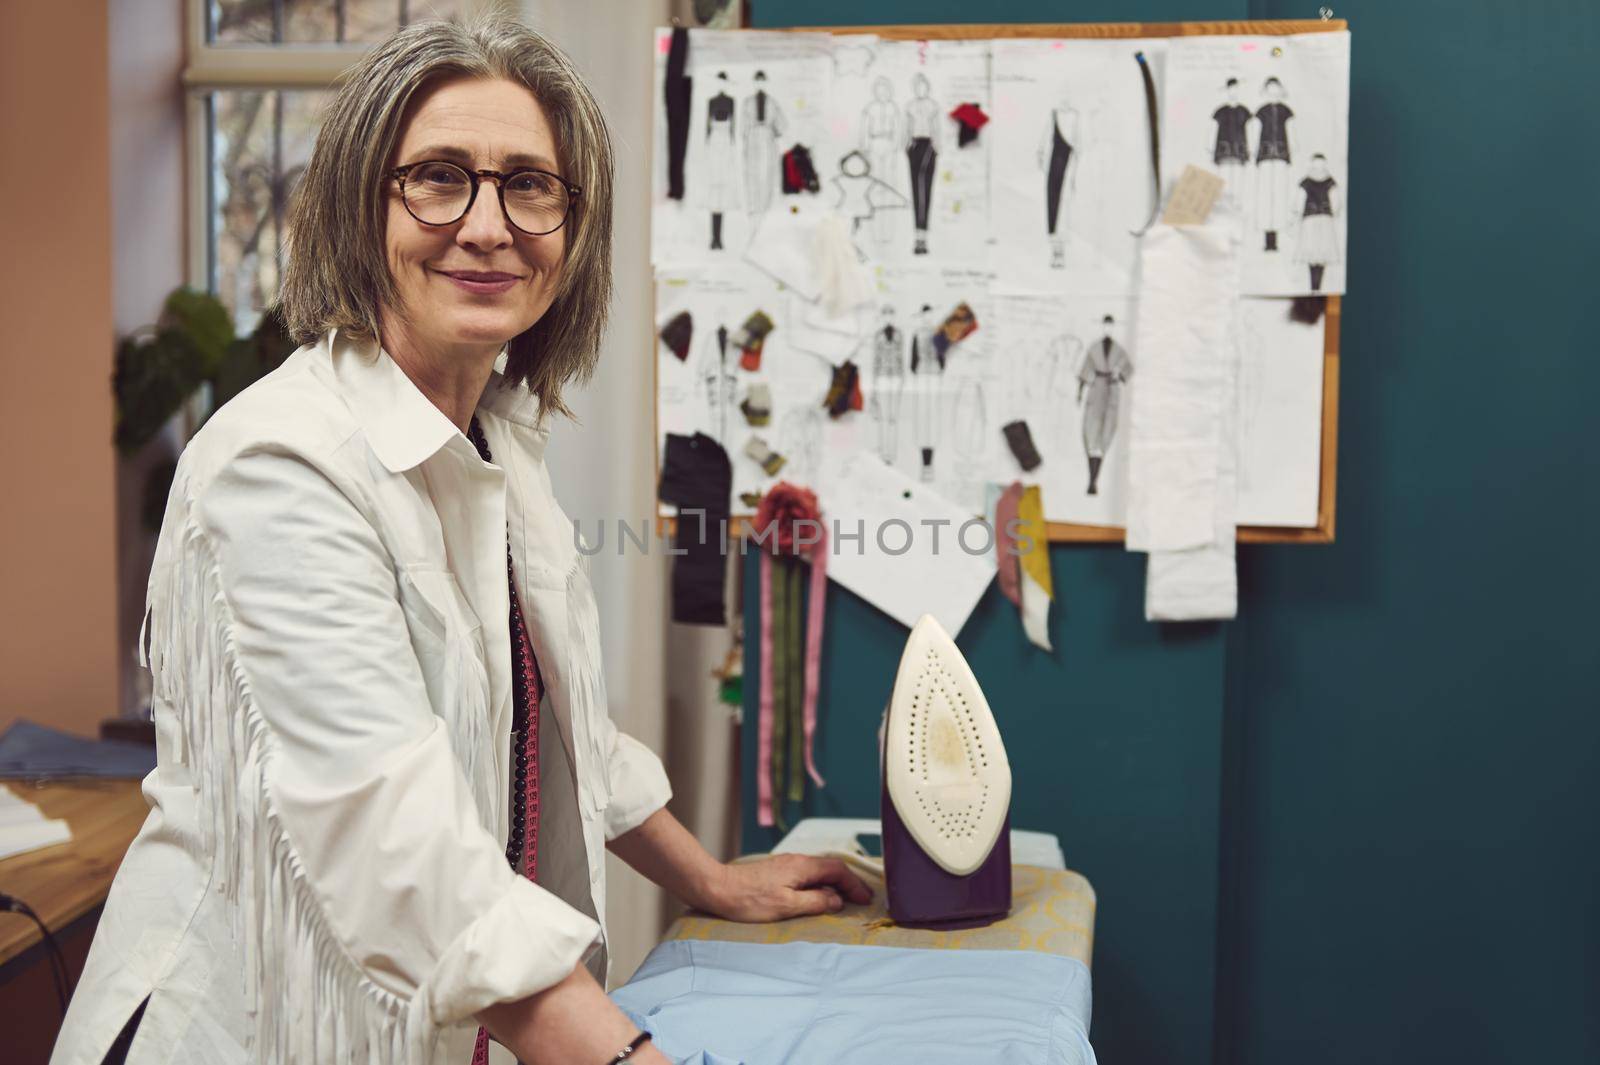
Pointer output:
x,y
402,425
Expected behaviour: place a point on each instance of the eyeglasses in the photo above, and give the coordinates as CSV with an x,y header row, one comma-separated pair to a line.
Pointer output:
x,y
437,193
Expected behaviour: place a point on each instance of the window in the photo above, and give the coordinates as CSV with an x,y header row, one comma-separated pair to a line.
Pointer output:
x,y
258,74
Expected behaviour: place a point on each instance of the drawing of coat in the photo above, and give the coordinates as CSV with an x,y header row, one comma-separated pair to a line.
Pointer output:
x,y
762,126
721,159
1105,367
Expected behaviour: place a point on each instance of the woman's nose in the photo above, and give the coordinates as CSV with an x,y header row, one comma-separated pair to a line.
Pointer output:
x,y
485,225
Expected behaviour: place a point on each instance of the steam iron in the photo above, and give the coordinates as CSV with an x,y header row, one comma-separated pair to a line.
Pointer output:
x,y
946,792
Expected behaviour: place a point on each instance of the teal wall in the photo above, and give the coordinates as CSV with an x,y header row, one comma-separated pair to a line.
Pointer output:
x,y
1358,824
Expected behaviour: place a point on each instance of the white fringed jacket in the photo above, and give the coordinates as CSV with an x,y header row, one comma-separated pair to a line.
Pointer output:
x,y
322,876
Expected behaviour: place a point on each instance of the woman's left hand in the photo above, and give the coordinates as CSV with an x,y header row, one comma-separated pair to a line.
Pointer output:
x,y
785,885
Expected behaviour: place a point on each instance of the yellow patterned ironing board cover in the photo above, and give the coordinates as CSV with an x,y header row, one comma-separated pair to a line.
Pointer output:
x,y
1052,910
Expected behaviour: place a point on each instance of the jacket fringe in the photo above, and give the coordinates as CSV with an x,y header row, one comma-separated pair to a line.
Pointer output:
x,y
310,1000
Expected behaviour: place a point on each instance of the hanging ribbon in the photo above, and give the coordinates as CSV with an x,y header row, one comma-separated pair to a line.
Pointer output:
x,y
1005,543
1152,113
1037,592
786,731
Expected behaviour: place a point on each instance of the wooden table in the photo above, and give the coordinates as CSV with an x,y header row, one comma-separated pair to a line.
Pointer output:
x,y
66,885
64,882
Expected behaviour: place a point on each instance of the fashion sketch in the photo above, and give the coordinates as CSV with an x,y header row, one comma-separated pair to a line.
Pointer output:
x,y
761,126
718,382
721,162
862,197
1060,166
1274,143
971,420
888,383
1318,243
923,117
1106,368
927,365
1050,376
800,441
880,120
1230,148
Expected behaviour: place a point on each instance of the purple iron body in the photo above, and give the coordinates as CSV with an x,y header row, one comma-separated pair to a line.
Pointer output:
x,y
946,792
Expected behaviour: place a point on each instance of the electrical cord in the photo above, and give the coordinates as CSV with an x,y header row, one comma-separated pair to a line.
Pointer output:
x,y
58,961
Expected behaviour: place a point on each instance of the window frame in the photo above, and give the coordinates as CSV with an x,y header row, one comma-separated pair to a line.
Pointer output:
x,y
209,67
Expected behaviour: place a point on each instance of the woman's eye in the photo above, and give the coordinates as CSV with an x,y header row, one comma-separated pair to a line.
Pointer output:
x,y
530,184
439,175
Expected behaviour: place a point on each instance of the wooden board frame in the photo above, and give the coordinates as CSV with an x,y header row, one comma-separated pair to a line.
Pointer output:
x,y
1068,532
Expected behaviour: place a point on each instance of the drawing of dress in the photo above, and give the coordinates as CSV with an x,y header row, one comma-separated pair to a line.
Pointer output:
x,y
763,125
1105,367
922,155
1319,237
878,122
718,382
888,388
1272,170
720,161
1060,155
1232,150
928,368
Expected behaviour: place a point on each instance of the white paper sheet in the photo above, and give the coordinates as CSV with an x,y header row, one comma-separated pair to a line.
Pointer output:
x,y
1051,361
1071,125
703,392
909,559
894,140
23,827
755,95
934,422
1309,76
1280,415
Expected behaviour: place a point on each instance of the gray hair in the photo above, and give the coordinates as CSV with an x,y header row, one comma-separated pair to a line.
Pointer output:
x,y
336,274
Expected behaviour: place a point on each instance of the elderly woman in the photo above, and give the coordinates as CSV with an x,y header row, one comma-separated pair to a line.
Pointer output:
x,y
374,645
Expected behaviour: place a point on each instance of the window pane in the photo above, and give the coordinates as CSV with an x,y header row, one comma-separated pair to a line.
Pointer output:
x,y
318,21
259,144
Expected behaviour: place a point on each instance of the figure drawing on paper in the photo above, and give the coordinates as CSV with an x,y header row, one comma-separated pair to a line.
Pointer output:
x,y
720,158
927,365
861,197
800,439
761,126
888,384
719,383
1318,241
1274,143
1106,367
1231,149
1057,159
880,120
971,420
1047,383
922,120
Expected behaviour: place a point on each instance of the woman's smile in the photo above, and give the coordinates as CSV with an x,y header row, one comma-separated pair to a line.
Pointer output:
x,y
481,282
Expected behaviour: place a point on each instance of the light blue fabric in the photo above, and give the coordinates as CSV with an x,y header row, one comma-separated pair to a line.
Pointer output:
x,y
712,1003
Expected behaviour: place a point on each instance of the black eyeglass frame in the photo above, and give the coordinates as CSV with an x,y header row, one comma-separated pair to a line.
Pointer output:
x,y
476,176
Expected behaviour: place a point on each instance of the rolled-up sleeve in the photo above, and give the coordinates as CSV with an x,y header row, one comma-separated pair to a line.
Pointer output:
x,y
373,801
637,779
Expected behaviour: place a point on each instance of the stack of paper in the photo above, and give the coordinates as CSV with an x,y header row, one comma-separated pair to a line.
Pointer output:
x,y
23,828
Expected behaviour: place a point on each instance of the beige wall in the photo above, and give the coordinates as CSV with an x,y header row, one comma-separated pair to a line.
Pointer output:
x,y
58,646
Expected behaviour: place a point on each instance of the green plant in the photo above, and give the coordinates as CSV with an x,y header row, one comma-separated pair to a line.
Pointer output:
x,y
160,367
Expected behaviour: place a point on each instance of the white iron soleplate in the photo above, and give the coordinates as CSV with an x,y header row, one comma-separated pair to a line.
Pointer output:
x,y
945,766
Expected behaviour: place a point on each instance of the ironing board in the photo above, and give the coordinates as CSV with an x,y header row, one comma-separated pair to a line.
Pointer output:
x,y
855,987
1052,907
